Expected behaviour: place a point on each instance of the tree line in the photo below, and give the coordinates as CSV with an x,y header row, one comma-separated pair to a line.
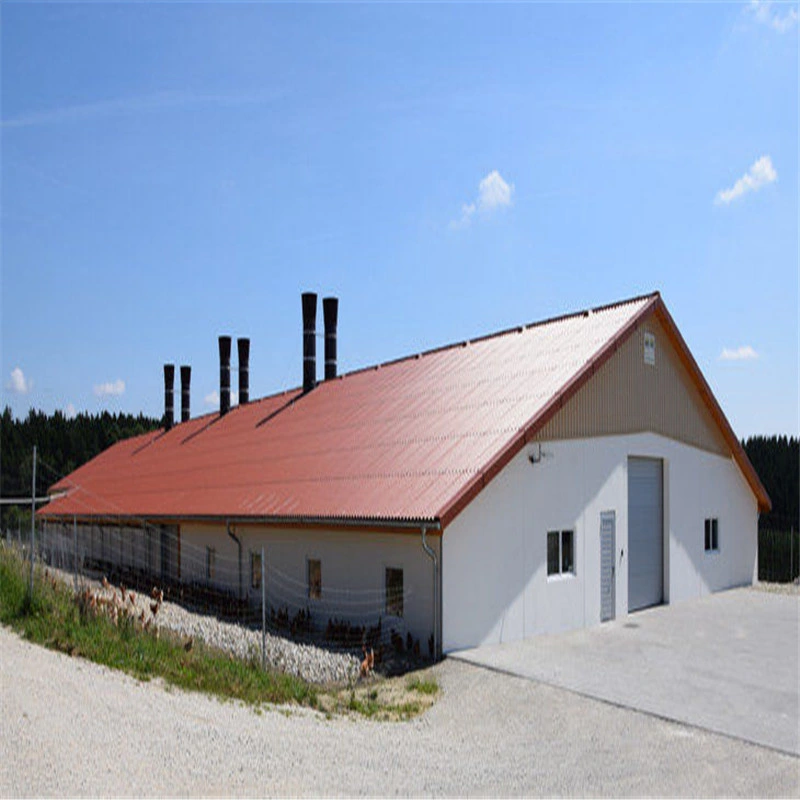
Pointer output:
x,y
777,461
63,444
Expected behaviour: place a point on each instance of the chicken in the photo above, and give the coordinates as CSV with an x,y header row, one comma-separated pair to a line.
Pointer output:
x,y
368,664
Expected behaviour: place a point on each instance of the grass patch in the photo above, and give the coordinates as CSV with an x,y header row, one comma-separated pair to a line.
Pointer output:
x,y
373,706
384,699
53,617
424,686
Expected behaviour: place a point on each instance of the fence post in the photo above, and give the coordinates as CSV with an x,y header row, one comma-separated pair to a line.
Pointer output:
x,y
33,518
263,610
791,554
75,538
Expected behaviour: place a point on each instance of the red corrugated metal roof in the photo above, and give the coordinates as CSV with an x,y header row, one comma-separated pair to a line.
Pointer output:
x,y
411,440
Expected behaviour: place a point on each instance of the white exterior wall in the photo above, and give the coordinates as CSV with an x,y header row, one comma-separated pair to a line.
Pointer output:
x,y
353,571
494,571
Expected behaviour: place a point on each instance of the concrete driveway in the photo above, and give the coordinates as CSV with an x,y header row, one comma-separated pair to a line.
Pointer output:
x,y
726,663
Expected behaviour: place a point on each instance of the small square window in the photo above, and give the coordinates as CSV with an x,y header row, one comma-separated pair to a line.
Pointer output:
x,y
314,578
711,535
394,591
255,570
211,555
552,553
560,552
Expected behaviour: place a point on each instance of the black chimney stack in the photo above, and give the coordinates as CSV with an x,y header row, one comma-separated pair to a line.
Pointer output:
x,y
309,341
244,370
169,395
186,380
224,374
330,311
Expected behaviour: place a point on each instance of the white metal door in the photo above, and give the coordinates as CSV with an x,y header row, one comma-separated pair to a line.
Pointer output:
x,y
645,533
608,573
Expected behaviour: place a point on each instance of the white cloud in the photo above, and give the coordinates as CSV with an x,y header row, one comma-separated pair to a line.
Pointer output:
x,y
212,398
744,353
19,384
110,389
70,412
760,174
493,193
763,13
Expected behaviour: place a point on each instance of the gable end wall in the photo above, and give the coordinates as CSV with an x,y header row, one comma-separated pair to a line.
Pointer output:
x,y
628,396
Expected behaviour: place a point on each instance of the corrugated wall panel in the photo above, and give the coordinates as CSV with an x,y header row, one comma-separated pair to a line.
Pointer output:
x,y
629,396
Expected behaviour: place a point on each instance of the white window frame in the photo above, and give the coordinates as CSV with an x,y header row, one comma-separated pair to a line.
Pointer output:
x,y
561,573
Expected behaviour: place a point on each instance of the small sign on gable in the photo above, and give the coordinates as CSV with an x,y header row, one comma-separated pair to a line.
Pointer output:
x,y
649,348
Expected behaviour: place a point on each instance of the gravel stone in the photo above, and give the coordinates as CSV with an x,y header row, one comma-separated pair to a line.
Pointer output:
x,y
314,664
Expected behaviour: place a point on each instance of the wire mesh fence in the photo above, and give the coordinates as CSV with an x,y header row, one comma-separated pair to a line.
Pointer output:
x,y
234,598
779,555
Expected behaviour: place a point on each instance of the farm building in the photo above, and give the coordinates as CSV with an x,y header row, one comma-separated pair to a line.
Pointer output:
x,y
540,479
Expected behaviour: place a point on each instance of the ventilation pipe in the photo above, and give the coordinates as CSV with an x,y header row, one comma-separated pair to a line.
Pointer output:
x,y
186,380
169,395
330,311
243,346
224,374
309,341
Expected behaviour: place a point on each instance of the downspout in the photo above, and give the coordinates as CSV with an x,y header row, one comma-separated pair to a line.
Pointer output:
x,y
229,531
431,553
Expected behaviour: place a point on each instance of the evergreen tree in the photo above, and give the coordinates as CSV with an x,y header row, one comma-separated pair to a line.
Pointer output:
x,y
62,445
777,461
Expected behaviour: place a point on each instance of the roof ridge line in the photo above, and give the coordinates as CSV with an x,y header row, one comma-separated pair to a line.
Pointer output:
x,y
502,332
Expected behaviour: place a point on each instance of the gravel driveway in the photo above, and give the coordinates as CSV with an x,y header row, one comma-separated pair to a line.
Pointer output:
x,y
74,728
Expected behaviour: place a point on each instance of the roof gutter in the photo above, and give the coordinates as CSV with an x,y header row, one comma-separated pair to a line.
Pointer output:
x,y
375,523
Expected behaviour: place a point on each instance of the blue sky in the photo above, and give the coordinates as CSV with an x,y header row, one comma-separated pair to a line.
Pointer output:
x,y
171,172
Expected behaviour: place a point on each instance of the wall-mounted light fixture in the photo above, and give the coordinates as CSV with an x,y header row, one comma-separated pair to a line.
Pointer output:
x,y
535,456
